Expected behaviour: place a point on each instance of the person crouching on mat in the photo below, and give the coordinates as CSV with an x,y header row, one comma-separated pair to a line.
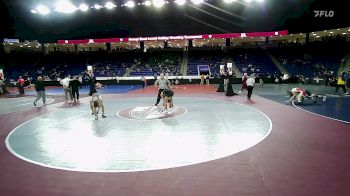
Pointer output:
x,y
167,95
96,103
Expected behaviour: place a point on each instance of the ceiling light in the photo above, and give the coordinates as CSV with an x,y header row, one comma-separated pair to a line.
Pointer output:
x,y
147,3
158,3
229,1
83,7
43,10
197,2
109,5
130,4
97,6
180,2
65,6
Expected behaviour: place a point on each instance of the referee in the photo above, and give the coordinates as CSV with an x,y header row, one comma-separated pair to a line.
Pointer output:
x,y
162,83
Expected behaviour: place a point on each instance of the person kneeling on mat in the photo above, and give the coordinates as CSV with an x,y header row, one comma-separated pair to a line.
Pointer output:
x,y
96,103
167,96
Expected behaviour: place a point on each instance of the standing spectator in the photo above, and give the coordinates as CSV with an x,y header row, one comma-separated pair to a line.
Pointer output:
x,y
285,78
202,79
207,79
2,84
176,81
75,85
250,85
341,82
21,83
143,80
40,90
261,82
277,80
66,88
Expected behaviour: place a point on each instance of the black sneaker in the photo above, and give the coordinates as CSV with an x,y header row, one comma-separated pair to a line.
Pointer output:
x,y
34,104
103,116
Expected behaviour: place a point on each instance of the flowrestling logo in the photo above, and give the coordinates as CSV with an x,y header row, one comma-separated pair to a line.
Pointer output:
x,y
324,13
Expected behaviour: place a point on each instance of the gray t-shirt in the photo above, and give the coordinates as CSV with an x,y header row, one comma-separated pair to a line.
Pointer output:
x,y
162,83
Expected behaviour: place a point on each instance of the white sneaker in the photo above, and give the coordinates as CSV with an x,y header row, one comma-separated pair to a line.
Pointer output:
x,y
324,98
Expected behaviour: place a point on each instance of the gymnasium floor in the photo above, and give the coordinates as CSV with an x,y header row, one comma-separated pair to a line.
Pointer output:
x,y
209,144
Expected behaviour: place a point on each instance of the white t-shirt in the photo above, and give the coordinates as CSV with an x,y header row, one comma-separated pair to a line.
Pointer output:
x,y
250,81
65,82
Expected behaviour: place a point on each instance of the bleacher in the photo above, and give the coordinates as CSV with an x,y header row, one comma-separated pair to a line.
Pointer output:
x,y
309,61
212,58
156,62
253,61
